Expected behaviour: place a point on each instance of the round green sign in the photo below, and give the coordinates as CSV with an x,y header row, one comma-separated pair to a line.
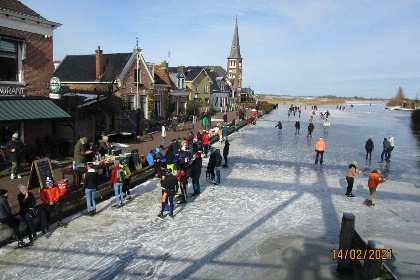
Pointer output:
x,y
55,84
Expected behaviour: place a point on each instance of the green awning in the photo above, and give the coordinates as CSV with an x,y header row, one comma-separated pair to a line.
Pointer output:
x,y
29,109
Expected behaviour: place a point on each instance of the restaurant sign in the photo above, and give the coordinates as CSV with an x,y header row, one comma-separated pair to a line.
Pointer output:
x,y
12,90
55,84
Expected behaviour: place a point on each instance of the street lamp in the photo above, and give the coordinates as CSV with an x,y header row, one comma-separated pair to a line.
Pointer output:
x,y
195,104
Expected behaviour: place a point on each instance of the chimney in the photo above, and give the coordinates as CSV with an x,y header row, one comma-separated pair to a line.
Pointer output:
x,y
181,69
99,63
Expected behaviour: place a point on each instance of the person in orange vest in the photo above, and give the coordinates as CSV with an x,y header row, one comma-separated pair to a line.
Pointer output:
x,y
373,182
319,149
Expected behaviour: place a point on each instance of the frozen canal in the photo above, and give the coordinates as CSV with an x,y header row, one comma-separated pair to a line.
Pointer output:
x,y
274,216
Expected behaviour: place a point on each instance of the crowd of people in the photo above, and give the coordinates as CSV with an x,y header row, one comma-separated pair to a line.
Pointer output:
x,y
183,160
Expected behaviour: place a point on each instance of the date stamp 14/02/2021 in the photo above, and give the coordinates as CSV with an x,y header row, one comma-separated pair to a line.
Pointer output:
x,y
371,254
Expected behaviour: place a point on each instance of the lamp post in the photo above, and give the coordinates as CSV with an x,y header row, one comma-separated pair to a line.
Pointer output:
x,y
195,104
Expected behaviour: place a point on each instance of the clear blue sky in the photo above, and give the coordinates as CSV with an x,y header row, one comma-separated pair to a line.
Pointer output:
x,y
346,48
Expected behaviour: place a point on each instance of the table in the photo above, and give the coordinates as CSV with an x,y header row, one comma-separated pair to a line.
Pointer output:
x,y
78,172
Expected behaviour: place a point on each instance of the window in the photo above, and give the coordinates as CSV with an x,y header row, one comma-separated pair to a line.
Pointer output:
x,y
206,88
182,83
157,105
196,88
143,104
130,101
183,105
137,76
11,59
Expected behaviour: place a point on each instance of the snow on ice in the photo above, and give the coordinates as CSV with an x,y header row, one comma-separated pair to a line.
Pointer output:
x,y
275,215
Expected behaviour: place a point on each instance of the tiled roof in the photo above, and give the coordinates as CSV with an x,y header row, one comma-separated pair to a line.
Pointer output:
x,y
214,87
82,68
162,74
192,72
219,69
220,72
18,7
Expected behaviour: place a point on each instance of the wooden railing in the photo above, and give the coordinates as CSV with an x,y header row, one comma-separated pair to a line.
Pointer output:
x,y
361,259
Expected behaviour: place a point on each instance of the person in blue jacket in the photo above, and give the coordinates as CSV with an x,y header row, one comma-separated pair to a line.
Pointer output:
x,y
151,157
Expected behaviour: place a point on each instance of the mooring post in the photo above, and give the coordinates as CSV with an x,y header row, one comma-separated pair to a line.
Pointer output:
x,y
346,242
373,263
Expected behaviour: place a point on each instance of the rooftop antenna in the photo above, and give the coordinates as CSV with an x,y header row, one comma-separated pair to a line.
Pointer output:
x,y
137,41
169,57
236,18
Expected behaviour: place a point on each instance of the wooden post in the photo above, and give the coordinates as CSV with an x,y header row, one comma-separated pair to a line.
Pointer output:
x,y
372,265
346,242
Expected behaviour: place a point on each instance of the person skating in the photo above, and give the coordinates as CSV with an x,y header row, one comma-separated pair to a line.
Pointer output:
x,y
225,133
297,126
369,148
169,188
183,184
212,165
26,201
310,129
7,218
218,166
319,149
196,166
280,126
15,148
385,150
391,147
127,179
326,125
170,157
206,140
373,182
226,153
351,172
117,179
52,203
91,186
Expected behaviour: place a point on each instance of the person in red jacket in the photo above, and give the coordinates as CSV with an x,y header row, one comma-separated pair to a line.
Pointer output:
x,y
319,149
183,183
51,198
206,139
117,179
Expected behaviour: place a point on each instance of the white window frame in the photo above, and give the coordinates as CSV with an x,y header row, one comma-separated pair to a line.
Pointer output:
x,y
20,46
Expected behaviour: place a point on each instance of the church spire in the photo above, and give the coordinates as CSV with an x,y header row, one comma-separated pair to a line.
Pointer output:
x,y
235,50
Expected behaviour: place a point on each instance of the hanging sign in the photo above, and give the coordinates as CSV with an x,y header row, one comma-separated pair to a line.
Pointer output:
x,y
55,84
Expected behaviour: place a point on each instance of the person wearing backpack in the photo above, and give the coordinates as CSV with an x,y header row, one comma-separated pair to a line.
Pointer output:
x,y
127,178
117,179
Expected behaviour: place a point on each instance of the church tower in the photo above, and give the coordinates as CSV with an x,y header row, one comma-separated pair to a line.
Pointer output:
x,y
234,66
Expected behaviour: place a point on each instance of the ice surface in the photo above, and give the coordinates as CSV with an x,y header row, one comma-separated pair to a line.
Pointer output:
x,y
276,215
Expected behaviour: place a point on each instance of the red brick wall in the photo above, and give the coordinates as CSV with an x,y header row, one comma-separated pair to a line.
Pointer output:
x,y
38,68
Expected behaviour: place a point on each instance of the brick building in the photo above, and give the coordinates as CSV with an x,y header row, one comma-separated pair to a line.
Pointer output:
x,y
26,66
112,93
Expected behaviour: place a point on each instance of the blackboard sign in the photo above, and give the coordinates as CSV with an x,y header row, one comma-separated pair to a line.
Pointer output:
x,y
136,158
40,170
